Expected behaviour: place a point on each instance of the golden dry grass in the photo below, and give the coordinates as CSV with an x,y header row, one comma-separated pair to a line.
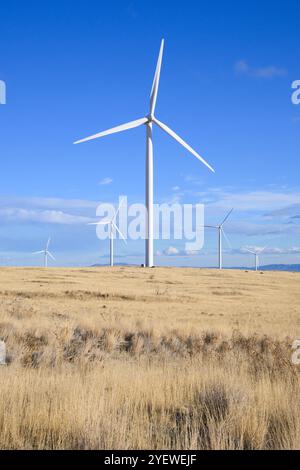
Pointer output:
x,y
129,358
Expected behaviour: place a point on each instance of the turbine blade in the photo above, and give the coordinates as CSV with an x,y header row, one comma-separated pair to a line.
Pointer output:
x,y
120,233
113,130
51,256
48,243
117,211
182,142
226,217
253,252
101,222
211,226
226,239
38,252
154,90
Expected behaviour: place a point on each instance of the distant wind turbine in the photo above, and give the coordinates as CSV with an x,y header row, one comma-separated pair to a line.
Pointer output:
x,y
148,121
256,253
112,227
46,253
221,232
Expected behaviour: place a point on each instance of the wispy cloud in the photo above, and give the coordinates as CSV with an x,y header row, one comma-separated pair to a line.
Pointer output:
x,y
261,229
132,10
105,181
19,215
171,251
193,180
273,211
47,202
243,68
260,200
256,213
292,212
268,250
46,210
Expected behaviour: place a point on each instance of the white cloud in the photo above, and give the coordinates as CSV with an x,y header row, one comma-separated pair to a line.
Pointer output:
x,y
253,228
253,248
292,211
193,180
48,203
174,252
171,251
191,253
269,250
175,198
259,212
260,200
106,181
17,215
283,251
273,211
47,210
243,68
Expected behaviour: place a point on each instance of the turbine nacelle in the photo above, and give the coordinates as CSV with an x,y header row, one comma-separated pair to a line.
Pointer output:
x,y
256,252
46,253
221,232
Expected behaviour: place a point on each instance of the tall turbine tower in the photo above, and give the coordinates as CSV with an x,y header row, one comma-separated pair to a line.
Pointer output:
x,y
112,227
149,120
256,253
46,253
220,233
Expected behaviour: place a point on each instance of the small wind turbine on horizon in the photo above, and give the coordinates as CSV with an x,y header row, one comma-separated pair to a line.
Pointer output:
x,y
112,227
149,120
256,253
46,253
221,232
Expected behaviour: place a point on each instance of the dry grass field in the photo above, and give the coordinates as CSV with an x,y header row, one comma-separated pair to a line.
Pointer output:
x,y
129,358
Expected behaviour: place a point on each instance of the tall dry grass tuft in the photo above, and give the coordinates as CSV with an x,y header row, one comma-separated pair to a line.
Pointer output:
x,y
114,388
97,368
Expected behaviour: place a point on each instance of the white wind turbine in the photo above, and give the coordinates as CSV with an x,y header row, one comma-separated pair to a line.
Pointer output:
x,y
256,253
149,120
46,253
221,232
112,227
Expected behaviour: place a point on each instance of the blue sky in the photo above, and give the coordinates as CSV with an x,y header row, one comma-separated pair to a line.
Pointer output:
x,y
75,68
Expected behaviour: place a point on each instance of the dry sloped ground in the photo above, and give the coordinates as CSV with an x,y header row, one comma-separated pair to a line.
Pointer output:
x,y
129,358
